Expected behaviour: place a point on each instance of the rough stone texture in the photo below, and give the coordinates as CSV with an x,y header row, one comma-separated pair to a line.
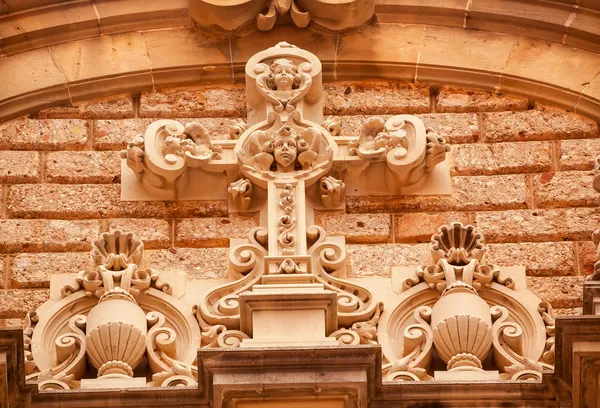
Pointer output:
x,y
34,270
98,201
450,99
19,167
3,260
377,260
194,102
564,189
468,193
11,324
560,291
578,154
571,311
197,263
47,134
213,232
455,128
357,228
113,107
538,225
419,227
16,303
115,134
374,98
155,233
586,253
539,259
536,125
83,167
500,158
47,235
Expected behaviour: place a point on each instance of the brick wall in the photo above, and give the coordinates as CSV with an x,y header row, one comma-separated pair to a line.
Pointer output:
x,y
521,172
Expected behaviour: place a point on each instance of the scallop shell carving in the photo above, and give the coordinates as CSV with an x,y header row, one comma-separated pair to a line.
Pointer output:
x,y
116,341
457,243
117,249
462,334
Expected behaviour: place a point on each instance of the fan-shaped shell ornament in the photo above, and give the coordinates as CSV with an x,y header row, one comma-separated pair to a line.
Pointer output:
x,y
117,249
458,244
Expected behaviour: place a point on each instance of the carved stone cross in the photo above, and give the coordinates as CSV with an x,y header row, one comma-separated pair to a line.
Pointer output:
x,y
286,165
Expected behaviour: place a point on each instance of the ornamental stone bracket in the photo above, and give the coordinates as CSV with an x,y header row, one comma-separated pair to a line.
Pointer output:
x,y
285,142
223,16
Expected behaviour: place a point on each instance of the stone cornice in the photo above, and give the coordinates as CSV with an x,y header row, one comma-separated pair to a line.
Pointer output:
x,y
536,69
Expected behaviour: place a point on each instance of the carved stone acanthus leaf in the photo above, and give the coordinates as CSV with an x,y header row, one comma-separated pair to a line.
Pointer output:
x,y
333,192
360,332
333,124
217,336
378,137
194,142
266,21
236,128
240,192
545,310
178,376
528,370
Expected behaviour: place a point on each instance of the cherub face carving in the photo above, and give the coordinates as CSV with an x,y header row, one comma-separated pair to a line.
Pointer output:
x,y
284,72
285,149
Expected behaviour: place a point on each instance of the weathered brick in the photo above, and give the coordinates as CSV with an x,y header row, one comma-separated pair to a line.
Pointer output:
x,y
34,270
586,253
570,311
419,227
19,167
113,107
47,134
115,134
538,225
500,158
536,125
375,98
194,102
357,228
468,194
450,99
539,259
3,260
560,291
47,235
155,233
213,232
378,260
564,189
98,201
578,154
454,127
197,263
16,303
83,167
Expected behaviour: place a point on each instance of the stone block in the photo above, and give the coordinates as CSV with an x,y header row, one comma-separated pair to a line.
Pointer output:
x,y
155,233
47,235
536,125
468,194
113,107
539,259
34,270
197,263
564,189
11,323
538,225
560,291
500,158
450,99
83,167
16,303
213,232
76,201
419,227
568,311
46,134
357,228
586,254
194,102
19,167
578,154
454,127
378,260
374,98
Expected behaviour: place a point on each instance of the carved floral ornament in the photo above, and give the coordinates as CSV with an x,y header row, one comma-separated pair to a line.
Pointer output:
x,y
455,315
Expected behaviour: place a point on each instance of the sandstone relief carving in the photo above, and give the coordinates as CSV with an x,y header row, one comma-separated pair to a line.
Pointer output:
x,y
218,16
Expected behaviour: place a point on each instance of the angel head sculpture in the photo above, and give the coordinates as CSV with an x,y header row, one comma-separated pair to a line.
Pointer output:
x,y
282,83
284,75
194,140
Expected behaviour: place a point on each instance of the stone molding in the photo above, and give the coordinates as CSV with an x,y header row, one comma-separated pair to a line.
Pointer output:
x,y
147,67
